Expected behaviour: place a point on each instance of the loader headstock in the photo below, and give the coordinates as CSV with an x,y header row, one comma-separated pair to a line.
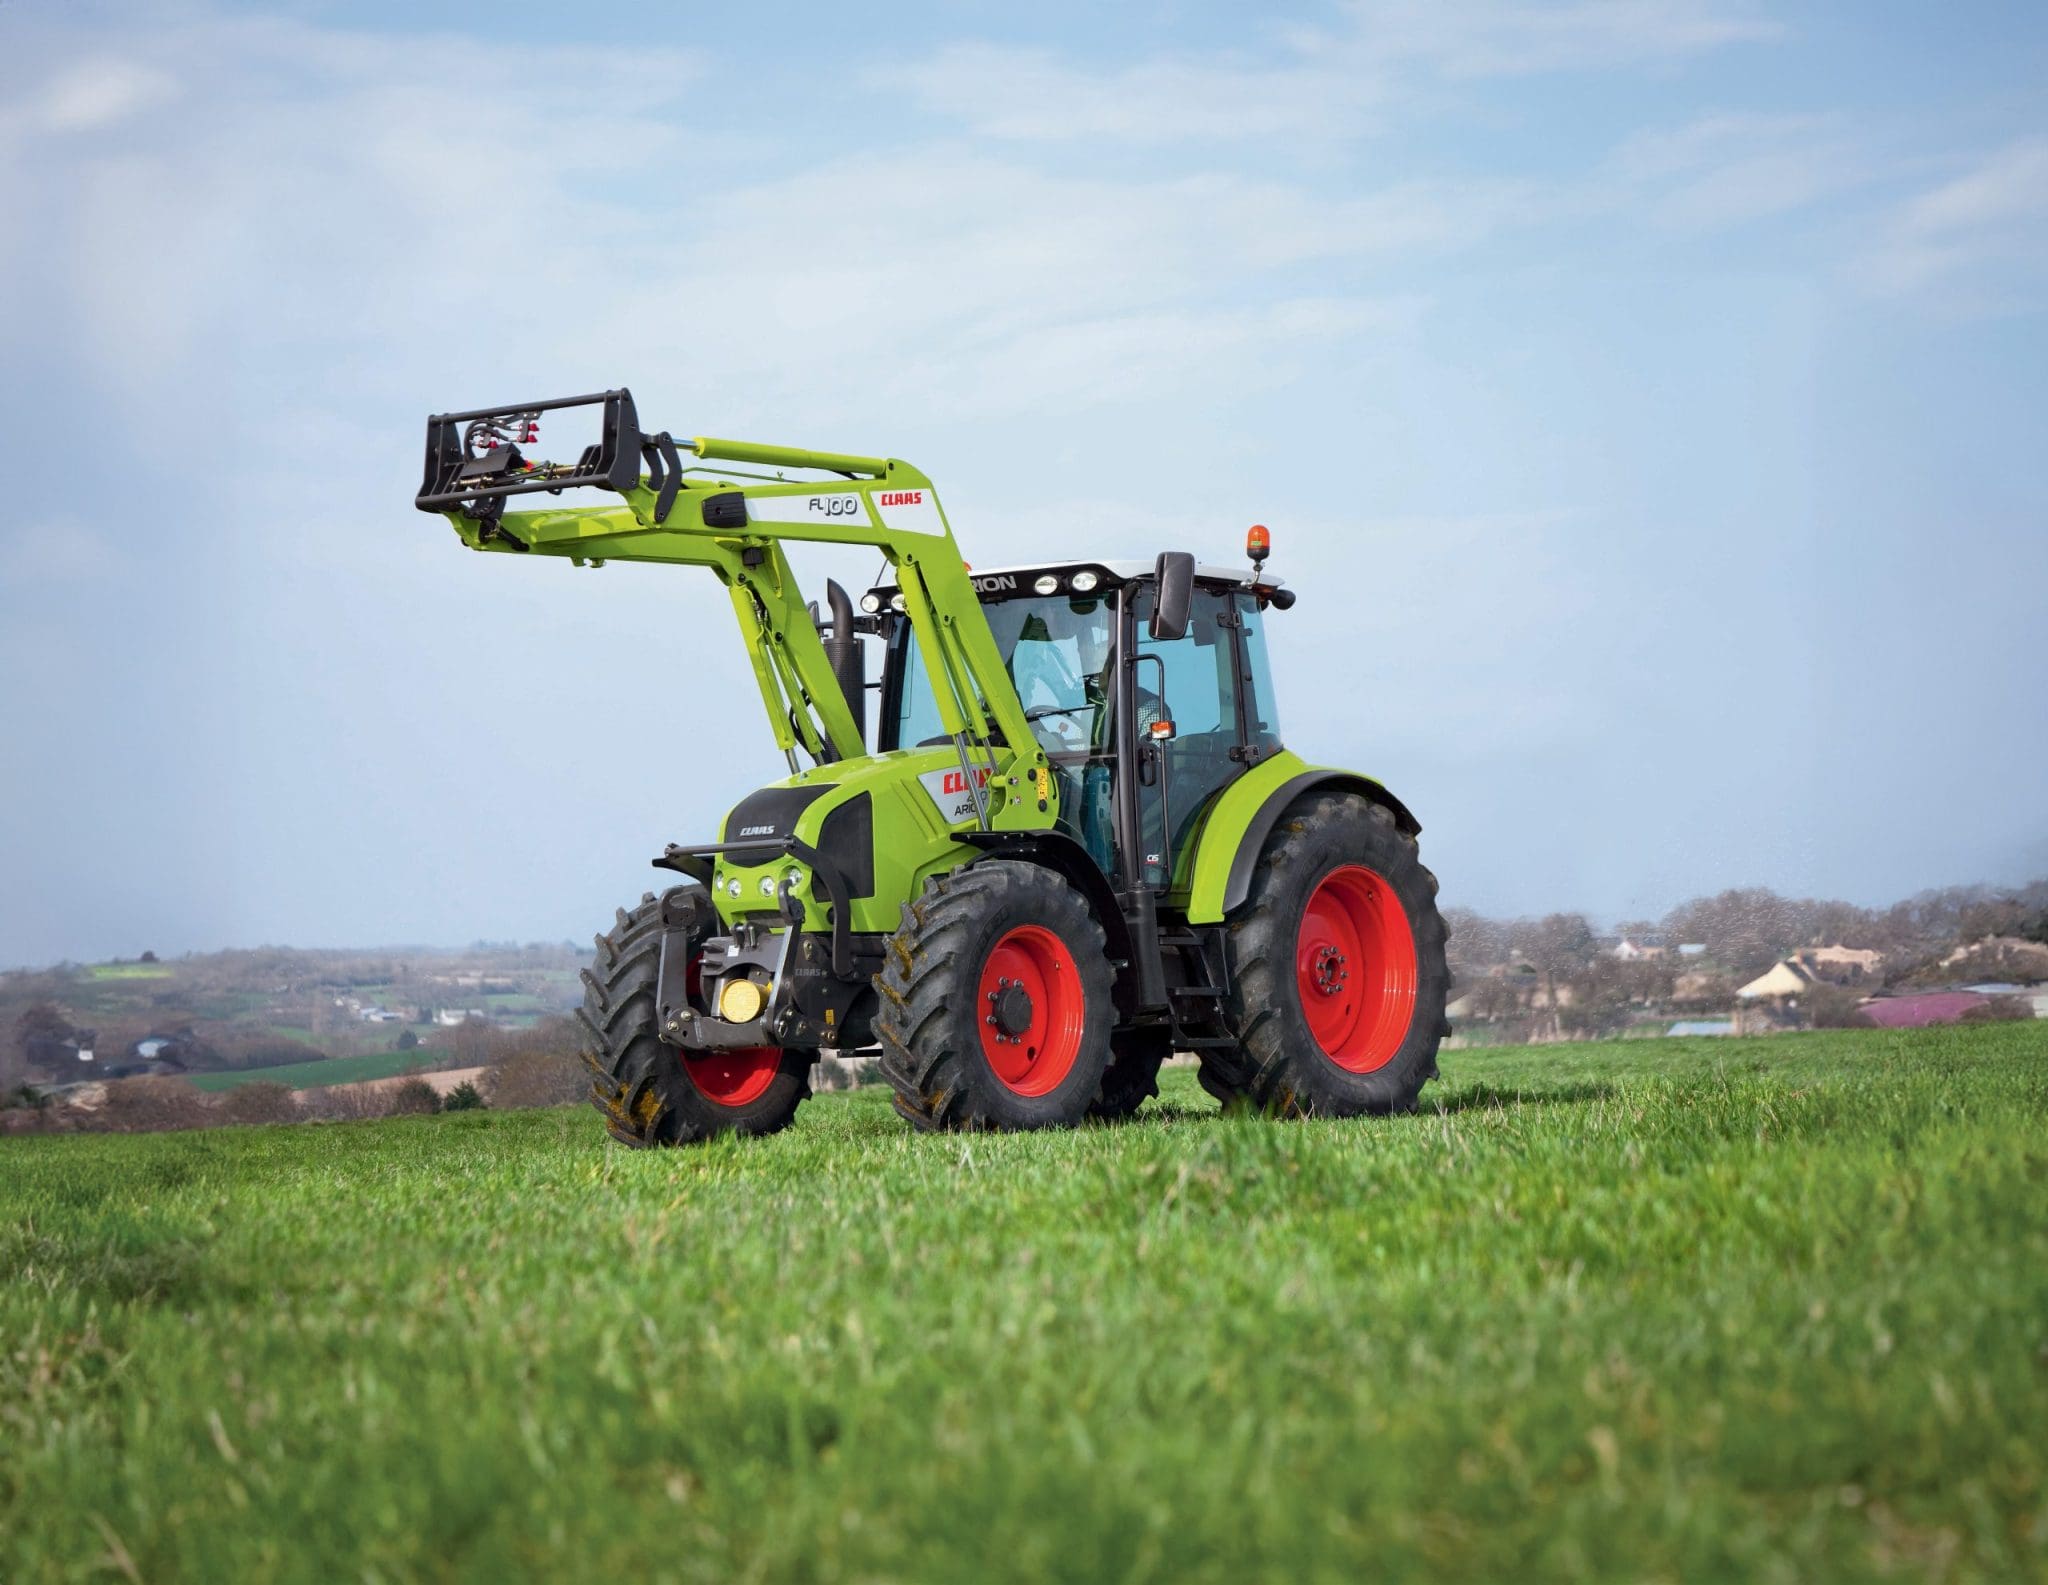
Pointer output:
x,y
475,459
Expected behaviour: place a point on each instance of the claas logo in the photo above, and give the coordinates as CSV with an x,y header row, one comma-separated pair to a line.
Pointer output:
x,y
956,781
900,497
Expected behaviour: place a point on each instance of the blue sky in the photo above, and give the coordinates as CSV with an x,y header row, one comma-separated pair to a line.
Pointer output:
x,y
1647,395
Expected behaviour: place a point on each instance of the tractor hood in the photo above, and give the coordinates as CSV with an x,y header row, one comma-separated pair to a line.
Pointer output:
x,y
884,821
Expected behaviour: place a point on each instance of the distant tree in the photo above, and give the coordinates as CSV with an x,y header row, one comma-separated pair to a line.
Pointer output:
x,y
1745,930
465,1097
148,1106
1834,1007
147,957
407,1041
1476,942
40,1021
1994,916
264,1101
1999,1010
543,1072
344,1103
1560,947
413,1098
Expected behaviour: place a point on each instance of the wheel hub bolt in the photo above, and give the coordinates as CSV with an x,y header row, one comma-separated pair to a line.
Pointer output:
x,y
1009,1010
1329,970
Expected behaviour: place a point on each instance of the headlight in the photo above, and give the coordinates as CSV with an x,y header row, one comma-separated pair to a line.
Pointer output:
x,y
896,602
796,879
732,887
1084,581
871,602
1048,584
767,885
739,1002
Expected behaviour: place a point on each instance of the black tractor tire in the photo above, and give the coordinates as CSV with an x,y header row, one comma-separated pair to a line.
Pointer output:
x,y
1343,846
964,928
640,1083
1135,1057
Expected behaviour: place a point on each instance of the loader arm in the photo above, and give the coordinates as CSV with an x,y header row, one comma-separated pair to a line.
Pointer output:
x,y
737,526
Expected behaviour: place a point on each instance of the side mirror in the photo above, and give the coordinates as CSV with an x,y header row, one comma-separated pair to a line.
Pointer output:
x,y
1174,605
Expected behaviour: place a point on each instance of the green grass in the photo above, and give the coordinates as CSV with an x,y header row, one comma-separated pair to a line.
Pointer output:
x,y
1700,1310
329,1070
129,971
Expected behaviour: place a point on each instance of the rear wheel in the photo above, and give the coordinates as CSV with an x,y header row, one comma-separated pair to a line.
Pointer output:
x,y
995,1002
653,1093
1338,976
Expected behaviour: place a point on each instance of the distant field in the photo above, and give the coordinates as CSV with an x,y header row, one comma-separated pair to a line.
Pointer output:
x,y
129,971
316,1075
1660,1310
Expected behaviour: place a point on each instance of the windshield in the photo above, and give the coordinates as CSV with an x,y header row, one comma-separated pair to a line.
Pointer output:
x,y
1057,650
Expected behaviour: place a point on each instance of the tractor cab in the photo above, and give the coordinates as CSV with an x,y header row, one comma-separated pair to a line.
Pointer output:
x,y
1144,723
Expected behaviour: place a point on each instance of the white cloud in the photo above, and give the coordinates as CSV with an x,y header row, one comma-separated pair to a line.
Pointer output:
x,y
95,94
1724,170
1309,84
328,200
1036,95
1503,38
1968,233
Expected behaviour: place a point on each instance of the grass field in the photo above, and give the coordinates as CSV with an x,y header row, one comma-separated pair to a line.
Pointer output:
x,y
1715,1310
330,1070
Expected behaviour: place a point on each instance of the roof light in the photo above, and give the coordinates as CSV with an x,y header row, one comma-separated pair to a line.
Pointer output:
x,y
1258,544
896,601
1084,580
871,602
1046,584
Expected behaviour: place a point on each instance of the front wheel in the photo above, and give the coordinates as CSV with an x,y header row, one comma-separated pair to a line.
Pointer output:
x,y
995,1002
1338,979
653,1093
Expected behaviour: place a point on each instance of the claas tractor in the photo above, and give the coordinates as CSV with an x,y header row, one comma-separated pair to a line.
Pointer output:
x,y
1071,843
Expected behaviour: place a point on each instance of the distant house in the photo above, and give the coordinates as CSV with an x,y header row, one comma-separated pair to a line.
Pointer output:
x,y
1702,1026
2005,957
1630,949
1839,965
154,1057
1813,966
1786,977
60,1051
455,1017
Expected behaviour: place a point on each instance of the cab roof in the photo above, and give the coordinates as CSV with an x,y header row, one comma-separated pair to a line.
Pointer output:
x,y
1125,568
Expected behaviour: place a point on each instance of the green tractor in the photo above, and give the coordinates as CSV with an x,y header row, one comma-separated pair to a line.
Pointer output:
x,y
1074,846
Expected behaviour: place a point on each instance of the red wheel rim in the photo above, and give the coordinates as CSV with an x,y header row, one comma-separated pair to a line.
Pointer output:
x,y
729,1078
733,1078
1030,1043
1354,968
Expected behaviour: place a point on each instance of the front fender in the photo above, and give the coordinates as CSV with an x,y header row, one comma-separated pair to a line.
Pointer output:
x,y
1244,816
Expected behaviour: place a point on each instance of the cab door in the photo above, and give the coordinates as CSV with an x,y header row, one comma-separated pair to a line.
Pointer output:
x,y
1186,700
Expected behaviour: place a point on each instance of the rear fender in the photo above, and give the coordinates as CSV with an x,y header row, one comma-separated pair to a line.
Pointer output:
x,y
1244,816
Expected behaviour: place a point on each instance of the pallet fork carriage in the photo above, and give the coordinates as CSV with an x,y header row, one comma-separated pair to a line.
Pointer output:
x,y
1024,899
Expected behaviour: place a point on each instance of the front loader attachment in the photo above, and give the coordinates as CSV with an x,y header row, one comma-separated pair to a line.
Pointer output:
x,y
474,460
